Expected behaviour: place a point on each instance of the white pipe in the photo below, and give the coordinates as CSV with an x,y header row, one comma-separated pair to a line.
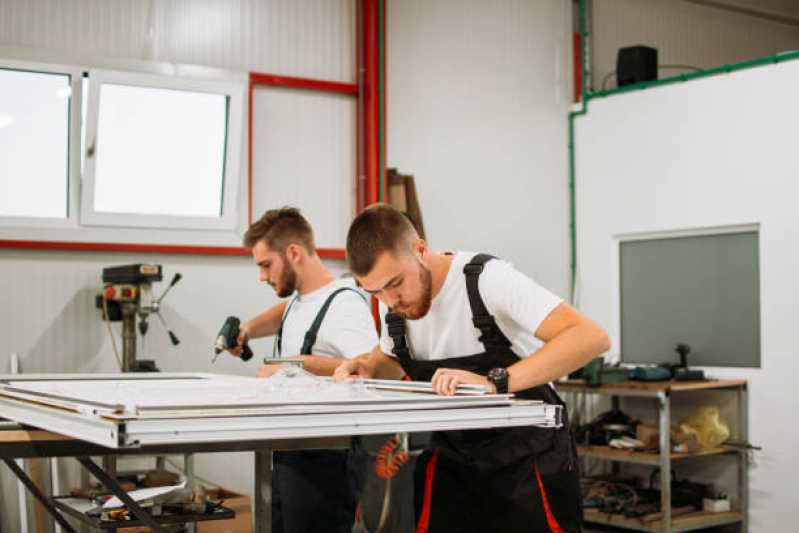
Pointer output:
x,y
55,485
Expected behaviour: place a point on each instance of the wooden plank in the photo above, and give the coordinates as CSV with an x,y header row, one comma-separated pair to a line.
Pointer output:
x,y
37,474
578,385
33,435
684,522
633,456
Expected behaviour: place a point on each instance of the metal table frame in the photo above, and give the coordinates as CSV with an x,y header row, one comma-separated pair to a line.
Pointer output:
x,y
43,444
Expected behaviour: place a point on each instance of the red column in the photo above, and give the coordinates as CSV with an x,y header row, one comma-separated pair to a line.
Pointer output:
x,y
370,83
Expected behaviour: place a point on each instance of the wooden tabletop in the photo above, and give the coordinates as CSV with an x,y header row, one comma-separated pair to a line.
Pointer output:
x,y
648,388
30,435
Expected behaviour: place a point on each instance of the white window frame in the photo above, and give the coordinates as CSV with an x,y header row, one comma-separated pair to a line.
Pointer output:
x,y
229,218
73,143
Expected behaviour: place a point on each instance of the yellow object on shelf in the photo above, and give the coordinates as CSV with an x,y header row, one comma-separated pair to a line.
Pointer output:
x,y
706,423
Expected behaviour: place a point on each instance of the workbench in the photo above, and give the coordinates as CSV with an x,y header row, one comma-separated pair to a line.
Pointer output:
x,y
71,425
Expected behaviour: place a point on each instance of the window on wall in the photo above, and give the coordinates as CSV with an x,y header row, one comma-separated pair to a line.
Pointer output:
x,y
161,152
35,108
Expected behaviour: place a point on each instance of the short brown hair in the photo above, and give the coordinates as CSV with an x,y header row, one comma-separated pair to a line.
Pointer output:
x,y
379,228
280,227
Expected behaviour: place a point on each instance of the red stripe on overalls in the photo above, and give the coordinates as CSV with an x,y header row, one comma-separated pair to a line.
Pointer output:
x,y
552,522
430,474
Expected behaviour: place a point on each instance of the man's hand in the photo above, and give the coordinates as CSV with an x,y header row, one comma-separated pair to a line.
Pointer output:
x,y
446,380
349,369
244,336
267,371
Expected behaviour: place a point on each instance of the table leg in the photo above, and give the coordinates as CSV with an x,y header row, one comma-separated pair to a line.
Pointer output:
x,y
263,491
34,490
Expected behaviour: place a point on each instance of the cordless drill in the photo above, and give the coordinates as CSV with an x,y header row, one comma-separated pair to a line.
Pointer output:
x,y
229,338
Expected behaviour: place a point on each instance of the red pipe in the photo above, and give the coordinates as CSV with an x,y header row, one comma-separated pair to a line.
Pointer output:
x,y
290,82
371,101
383,84
249,150
577,46
359,144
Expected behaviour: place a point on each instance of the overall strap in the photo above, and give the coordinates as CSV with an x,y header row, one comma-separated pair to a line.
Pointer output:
x,y
279,339
310,335
396,330
490,334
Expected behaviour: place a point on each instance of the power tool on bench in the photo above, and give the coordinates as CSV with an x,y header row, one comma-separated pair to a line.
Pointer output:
x,y
229,338
666,371
128,294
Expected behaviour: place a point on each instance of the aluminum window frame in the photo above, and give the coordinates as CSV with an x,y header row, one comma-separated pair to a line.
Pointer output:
x,y
232,178
75,74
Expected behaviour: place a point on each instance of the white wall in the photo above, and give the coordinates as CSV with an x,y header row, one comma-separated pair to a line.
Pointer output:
x,y
478,93
686,33
48,315
306,156
712,152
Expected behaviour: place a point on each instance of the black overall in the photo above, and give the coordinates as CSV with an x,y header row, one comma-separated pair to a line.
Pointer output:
x,y
504,480
316,491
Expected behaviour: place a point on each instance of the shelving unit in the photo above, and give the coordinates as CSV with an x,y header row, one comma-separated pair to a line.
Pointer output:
x,y
662,392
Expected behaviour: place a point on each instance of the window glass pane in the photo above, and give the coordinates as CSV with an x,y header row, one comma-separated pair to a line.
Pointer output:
x,y
160,151
34,143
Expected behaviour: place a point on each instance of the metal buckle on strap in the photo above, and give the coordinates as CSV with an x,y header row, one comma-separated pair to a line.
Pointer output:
x,y
473,269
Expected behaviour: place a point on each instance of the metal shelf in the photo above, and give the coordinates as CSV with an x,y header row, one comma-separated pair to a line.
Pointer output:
x,y
686,522
76,508
643,458
662,392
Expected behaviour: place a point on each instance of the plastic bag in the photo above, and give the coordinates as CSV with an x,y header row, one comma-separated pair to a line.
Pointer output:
x,y
706,423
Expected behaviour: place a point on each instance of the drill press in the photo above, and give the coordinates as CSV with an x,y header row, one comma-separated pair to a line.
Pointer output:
x,y
128,294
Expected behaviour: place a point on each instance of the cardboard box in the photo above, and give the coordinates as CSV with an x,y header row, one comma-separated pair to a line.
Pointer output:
x,y
649,435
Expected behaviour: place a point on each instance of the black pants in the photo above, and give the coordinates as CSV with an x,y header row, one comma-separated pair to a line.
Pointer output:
x,y
317,491
454,497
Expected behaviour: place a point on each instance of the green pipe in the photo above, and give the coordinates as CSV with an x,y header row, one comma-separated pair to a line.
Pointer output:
x,y
585,73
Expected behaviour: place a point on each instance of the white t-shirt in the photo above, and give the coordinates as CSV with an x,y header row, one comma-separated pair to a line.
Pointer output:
x,y
518,304
347,330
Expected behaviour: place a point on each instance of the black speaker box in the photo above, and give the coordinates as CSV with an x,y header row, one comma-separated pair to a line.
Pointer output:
x,y
635,64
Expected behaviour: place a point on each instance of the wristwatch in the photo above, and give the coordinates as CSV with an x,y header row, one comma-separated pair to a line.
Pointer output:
x,y
499,377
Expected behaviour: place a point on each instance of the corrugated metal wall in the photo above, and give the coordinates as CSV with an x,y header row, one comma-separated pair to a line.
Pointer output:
x,y
313,38
477,103
684,33
48,315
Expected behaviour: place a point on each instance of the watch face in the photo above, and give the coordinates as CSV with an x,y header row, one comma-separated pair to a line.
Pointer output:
x,y
499,377
498,373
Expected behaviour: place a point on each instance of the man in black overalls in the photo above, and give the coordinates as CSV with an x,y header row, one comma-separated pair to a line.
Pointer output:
x,y
470,318
324,320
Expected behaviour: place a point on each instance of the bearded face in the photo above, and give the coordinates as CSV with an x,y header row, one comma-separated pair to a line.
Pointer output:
x,y
420,296
275,269
286,283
